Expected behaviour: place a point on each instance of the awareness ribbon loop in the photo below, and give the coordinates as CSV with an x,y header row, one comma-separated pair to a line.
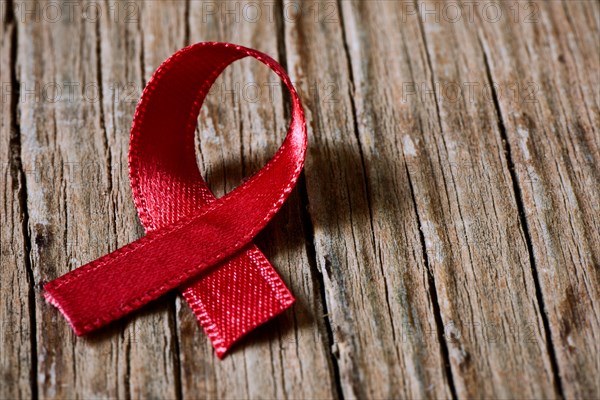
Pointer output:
x,y
194,242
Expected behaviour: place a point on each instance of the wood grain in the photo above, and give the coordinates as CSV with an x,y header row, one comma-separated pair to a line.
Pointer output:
x,y
366,232
554,142
150,337
17,358
241,125
421,155
74,206
443,241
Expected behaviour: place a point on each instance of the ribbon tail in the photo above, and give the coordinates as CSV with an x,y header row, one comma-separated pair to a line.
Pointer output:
x,y
236,297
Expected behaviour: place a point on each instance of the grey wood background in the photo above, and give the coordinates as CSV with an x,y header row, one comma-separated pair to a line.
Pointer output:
x,y
443,242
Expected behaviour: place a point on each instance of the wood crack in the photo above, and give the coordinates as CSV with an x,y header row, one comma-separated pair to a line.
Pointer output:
x,y
432,283
437,314
307,224
354,115
186,16
18,175
102,121
524,224
177,355
308,228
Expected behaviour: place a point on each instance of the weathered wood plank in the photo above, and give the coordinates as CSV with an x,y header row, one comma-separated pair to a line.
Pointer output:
x,y
241,125
150,336
554,137
75,202
16,354
365,225
61,197
449,165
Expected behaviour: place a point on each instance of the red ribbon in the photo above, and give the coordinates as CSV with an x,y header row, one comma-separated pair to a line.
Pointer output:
x,y
194,242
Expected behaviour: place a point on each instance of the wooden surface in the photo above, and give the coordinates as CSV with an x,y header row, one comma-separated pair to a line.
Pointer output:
x,y
443,241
